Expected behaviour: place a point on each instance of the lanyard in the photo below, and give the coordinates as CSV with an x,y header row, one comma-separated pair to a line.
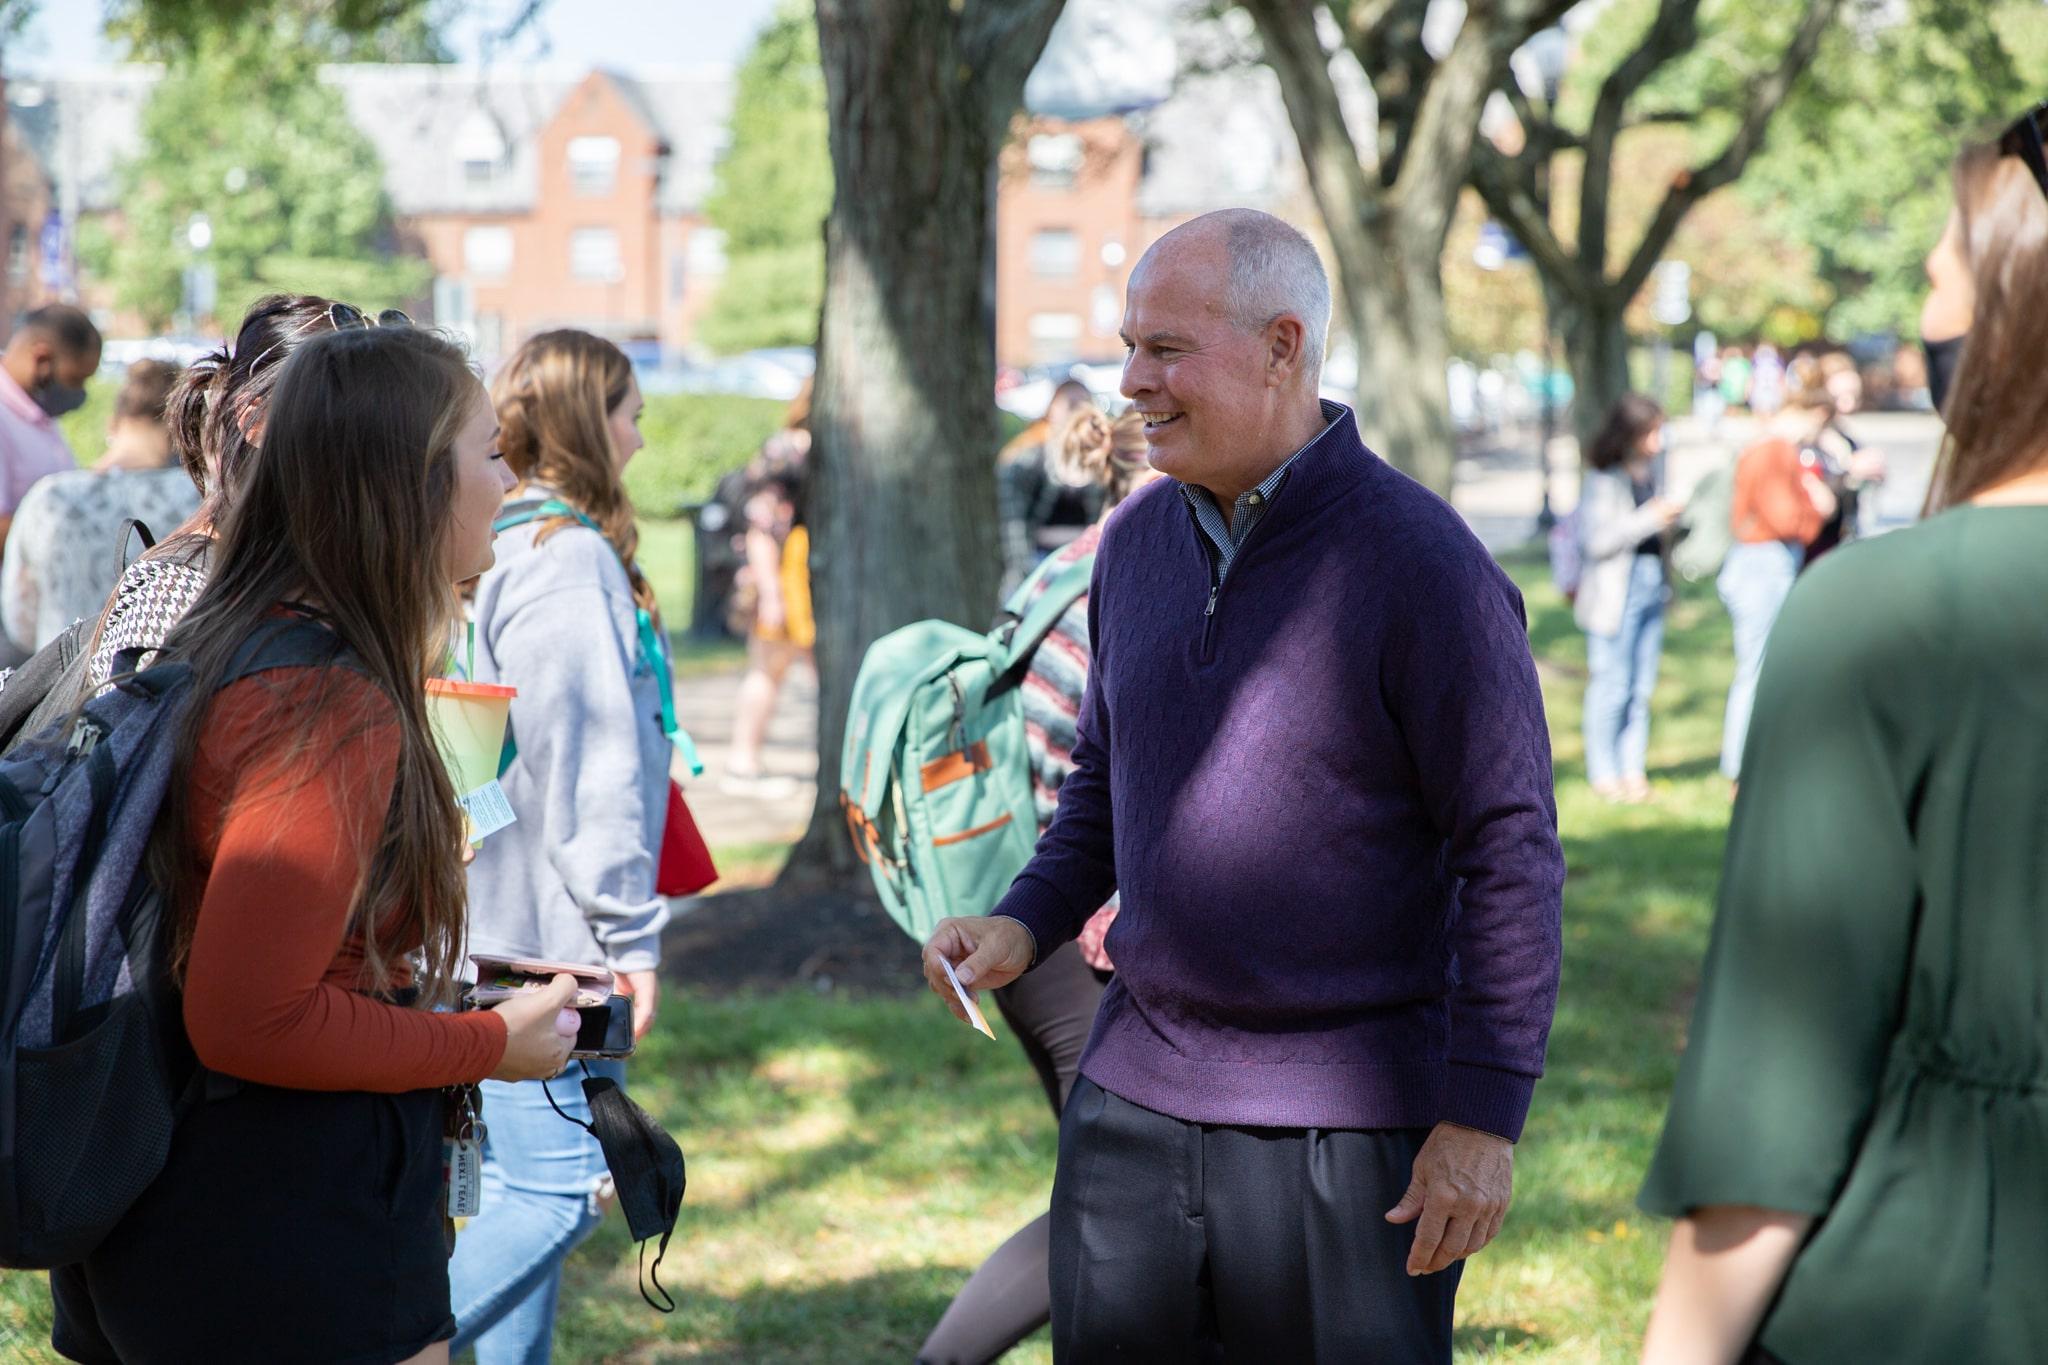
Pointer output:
x,y
653,647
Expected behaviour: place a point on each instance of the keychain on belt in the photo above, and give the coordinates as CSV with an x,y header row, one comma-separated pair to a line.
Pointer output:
x,y
462,1154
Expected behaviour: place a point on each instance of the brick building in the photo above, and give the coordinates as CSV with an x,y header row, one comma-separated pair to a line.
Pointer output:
x,y
543,197
547,197
1080,202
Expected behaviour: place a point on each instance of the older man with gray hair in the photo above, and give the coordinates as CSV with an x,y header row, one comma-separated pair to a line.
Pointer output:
x,y
1313,763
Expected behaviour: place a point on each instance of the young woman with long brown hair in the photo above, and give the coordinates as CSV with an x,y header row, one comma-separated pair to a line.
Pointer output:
x,y
567,617
314,867
1853,1152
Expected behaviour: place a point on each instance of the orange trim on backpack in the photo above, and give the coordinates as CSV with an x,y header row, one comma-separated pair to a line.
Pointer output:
x,y
964,835
957,766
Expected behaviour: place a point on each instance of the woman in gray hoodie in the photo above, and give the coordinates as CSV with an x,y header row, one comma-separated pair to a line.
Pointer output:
x,y
1622,588
566,617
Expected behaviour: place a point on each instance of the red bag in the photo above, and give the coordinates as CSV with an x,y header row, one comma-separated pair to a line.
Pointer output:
x,y
685,867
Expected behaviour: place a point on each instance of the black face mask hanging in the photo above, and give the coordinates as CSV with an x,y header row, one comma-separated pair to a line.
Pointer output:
x,y
647,1169
1942,357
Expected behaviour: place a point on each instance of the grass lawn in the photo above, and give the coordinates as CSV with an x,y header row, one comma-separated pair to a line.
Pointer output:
x,y
851,1160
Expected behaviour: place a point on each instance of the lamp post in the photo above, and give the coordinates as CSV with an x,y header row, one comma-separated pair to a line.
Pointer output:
x,y
1548,52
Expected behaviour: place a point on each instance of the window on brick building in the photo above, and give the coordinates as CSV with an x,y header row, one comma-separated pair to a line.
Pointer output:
x,y
1055,160
487,252
593,165
1054,336
1055,254
480,147
594,255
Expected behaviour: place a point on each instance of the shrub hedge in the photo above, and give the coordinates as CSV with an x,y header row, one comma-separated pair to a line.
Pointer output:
x,y
694,440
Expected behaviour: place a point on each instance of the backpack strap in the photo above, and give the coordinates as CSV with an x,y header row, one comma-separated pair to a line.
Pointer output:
x,y
138,529
1069,586
298,642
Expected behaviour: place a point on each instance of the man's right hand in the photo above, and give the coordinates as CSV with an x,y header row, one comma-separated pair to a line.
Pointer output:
x,y
987,951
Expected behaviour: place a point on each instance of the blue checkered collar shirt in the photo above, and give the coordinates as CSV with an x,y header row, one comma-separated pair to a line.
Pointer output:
x,y
1227,537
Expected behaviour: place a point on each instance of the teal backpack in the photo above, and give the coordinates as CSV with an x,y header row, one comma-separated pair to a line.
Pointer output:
x,y
934,776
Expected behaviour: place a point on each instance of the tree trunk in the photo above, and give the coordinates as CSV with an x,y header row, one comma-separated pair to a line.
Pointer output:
x,y
901,502
1395,306
1596,345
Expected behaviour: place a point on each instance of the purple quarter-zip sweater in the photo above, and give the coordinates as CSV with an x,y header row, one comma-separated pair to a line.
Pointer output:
x,y
1325,801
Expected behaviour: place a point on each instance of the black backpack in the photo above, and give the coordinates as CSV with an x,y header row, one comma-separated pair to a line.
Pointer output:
x,y
95,1068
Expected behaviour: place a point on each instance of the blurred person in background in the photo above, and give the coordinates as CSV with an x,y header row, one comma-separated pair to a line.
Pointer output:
x,y
1052,1009
1844,463
1766,381
1038,511
138,436
215,413
1623,585
1853,1149
1735,377
1779,507
43,373
771,606
70,538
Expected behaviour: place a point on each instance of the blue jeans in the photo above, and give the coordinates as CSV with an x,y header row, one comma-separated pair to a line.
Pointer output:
x,y
540,1179
1621,675
1754,583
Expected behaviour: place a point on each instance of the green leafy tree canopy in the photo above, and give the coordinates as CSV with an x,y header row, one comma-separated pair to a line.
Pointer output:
x,y
772,192
1859,173
243,132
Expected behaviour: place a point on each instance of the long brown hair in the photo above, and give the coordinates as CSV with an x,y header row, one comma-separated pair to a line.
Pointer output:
x,y
348,510
1632,417
1997,408
554,398
1098,449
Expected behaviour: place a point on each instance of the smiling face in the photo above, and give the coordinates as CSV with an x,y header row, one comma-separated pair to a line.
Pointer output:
x,y
1211,392
482,479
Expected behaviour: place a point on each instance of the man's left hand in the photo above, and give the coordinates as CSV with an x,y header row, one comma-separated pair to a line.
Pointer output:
x,y
1459,1191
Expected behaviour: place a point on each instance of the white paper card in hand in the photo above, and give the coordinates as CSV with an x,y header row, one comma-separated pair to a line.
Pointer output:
x,y
966,1001
488,811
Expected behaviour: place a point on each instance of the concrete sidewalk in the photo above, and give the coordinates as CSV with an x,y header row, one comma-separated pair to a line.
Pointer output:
x,y
729,814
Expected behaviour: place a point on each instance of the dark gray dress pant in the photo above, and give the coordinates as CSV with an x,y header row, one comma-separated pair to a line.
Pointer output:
x,y
1176,1241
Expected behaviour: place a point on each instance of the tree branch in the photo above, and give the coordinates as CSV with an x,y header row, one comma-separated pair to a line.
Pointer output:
x,y
1447,122
1339,176
1508,185
1765,97
1386,37
1675,29
1001,40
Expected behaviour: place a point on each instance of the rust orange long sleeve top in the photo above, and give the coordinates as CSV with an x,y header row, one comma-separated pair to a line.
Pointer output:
x,y
1770,501
273,987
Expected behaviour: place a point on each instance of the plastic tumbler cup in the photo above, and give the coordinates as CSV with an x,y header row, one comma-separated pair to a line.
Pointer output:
x,y
469,722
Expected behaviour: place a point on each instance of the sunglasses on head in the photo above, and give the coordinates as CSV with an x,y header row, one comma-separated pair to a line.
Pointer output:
x,y
341,317
2025,140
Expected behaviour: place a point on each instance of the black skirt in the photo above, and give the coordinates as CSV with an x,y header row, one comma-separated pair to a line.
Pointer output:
x,y
287,1225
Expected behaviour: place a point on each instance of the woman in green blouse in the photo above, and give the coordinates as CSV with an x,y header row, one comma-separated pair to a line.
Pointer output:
x,y
1857,1152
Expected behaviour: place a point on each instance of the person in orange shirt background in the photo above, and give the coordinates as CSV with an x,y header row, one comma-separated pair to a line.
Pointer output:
x,y
1780,505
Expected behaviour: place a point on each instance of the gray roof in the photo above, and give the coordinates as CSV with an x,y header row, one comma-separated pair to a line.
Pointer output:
x,y
422,119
